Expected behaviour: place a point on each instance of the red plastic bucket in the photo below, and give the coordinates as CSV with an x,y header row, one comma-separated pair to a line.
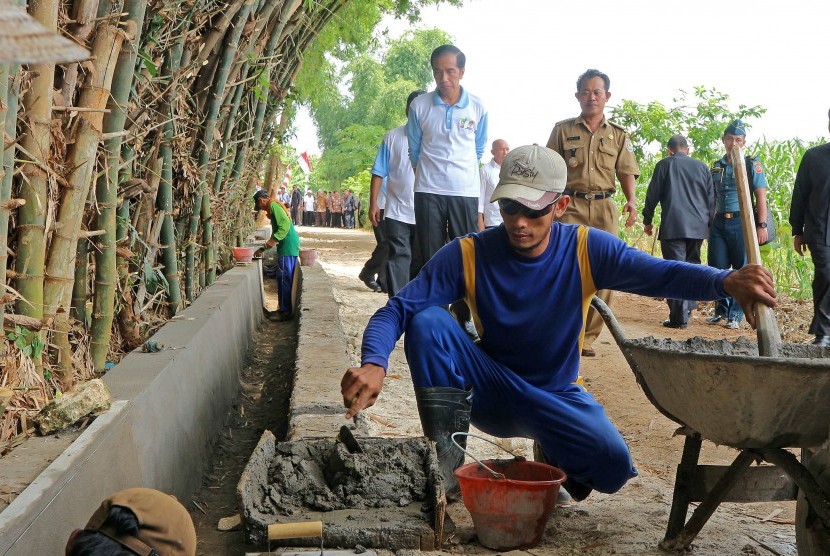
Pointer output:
x,y
511,512
243,254
308,257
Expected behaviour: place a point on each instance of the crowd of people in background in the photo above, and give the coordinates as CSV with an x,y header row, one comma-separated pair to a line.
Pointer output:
x,y
333,209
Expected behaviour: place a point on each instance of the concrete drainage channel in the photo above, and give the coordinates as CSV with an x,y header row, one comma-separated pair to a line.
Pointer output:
x,y
167,409
169,406
387,495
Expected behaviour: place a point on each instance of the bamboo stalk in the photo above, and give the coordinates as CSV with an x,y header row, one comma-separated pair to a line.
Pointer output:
x,y
164,197
37,105
201,209
8,119
106,189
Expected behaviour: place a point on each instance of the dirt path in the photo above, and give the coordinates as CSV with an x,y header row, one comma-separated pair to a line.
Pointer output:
x,y
633,520
265,389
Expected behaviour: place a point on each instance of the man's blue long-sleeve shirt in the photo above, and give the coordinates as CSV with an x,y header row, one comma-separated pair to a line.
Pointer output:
x,y
531,310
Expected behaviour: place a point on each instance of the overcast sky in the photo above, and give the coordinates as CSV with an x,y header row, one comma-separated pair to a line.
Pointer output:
x,y
523,58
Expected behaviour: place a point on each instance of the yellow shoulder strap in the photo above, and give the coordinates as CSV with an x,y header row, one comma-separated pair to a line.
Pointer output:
x,y
588,287
468,257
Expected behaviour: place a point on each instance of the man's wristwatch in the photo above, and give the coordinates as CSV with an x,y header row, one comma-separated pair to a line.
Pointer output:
x,y
761,224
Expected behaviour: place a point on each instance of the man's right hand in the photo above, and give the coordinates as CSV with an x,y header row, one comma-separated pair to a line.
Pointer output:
x,y
751,284
798,245
360,387
374,216
648,229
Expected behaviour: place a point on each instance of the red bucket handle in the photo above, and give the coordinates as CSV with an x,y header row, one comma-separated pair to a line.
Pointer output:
x,y
495,474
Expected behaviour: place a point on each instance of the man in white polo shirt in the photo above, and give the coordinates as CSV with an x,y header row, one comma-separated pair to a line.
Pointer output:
x,y
447,133
392,162
489,214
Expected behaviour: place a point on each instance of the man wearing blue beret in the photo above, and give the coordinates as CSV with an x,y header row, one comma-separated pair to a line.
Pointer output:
x,y
726,240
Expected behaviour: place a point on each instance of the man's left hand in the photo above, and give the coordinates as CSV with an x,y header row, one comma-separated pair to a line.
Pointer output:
x,y
648,229
631,208
763,235
749,285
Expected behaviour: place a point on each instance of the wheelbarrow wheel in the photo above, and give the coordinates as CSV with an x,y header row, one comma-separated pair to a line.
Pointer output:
x,y
811,537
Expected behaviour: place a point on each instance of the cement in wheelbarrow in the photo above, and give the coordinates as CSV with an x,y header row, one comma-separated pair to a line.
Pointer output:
x,y
389,496
727,393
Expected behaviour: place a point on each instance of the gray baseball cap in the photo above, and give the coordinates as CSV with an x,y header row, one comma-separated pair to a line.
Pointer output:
x,y
531,175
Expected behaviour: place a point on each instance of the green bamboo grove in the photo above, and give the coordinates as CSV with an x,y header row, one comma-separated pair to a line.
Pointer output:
x,y
126,176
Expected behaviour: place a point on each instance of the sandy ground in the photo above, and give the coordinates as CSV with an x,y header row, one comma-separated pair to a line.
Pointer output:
x,y
631,521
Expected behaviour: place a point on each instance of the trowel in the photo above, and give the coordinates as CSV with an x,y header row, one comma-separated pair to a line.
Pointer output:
x,y
304,529
349,441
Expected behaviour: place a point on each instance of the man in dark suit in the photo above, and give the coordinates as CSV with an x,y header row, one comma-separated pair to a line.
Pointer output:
x,y
683,188
809,215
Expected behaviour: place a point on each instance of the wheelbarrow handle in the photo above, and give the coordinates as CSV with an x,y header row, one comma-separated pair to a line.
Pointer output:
x,y
610,321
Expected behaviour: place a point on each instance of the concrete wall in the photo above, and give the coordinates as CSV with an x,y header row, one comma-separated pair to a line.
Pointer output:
x,y
169,407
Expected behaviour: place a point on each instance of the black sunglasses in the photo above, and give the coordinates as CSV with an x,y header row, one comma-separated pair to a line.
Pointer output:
x,y
512,208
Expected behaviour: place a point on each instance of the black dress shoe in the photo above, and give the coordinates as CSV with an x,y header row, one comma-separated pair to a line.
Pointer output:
x,y
370,283
669,324
822,341
279,316
588,352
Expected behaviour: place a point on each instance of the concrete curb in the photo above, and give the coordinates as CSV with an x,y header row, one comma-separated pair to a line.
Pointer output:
x,y
160,431
316,408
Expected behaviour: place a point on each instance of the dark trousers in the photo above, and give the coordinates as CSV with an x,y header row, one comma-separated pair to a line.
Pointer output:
x,y
687,250
726,250
820,325
337,220
401,239
441,218
375,267
348,218
308,218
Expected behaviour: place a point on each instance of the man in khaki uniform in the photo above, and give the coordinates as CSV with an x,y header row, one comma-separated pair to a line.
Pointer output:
x,y
596,151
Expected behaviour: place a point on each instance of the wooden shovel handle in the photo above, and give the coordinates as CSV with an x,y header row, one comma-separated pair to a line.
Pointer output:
x,y
769,336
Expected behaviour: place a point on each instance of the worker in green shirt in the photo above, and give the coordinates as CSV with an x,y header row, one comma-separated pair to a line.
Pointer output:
x,y
287,240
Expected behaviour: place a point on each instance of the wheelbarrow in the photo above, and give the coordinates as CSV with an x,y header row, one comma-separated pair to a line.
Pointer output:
x,y
724,392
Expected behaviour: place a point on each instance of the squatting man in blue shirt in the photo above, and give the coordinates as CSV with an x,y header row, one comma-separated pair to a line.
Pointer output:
x,y
528,282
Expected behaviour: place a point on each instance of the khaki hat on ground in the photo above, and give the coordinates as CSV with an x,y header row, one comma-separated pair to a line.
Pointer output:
x,y
164,525
532,175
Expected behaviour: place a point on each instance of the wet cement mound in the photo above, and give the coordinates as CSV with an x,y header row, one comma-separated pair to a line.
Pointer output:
x,y
324,476
389,496
741,346
723,390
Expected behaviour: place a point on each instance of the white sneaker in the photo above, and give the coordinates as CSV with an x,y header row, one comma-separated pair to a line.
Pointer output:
x,y
732,325
714,320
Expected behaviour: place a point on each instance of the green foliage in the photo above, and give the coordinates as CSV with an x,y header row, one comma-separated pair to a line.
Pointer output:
x,y
701,117
30,343
404,58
